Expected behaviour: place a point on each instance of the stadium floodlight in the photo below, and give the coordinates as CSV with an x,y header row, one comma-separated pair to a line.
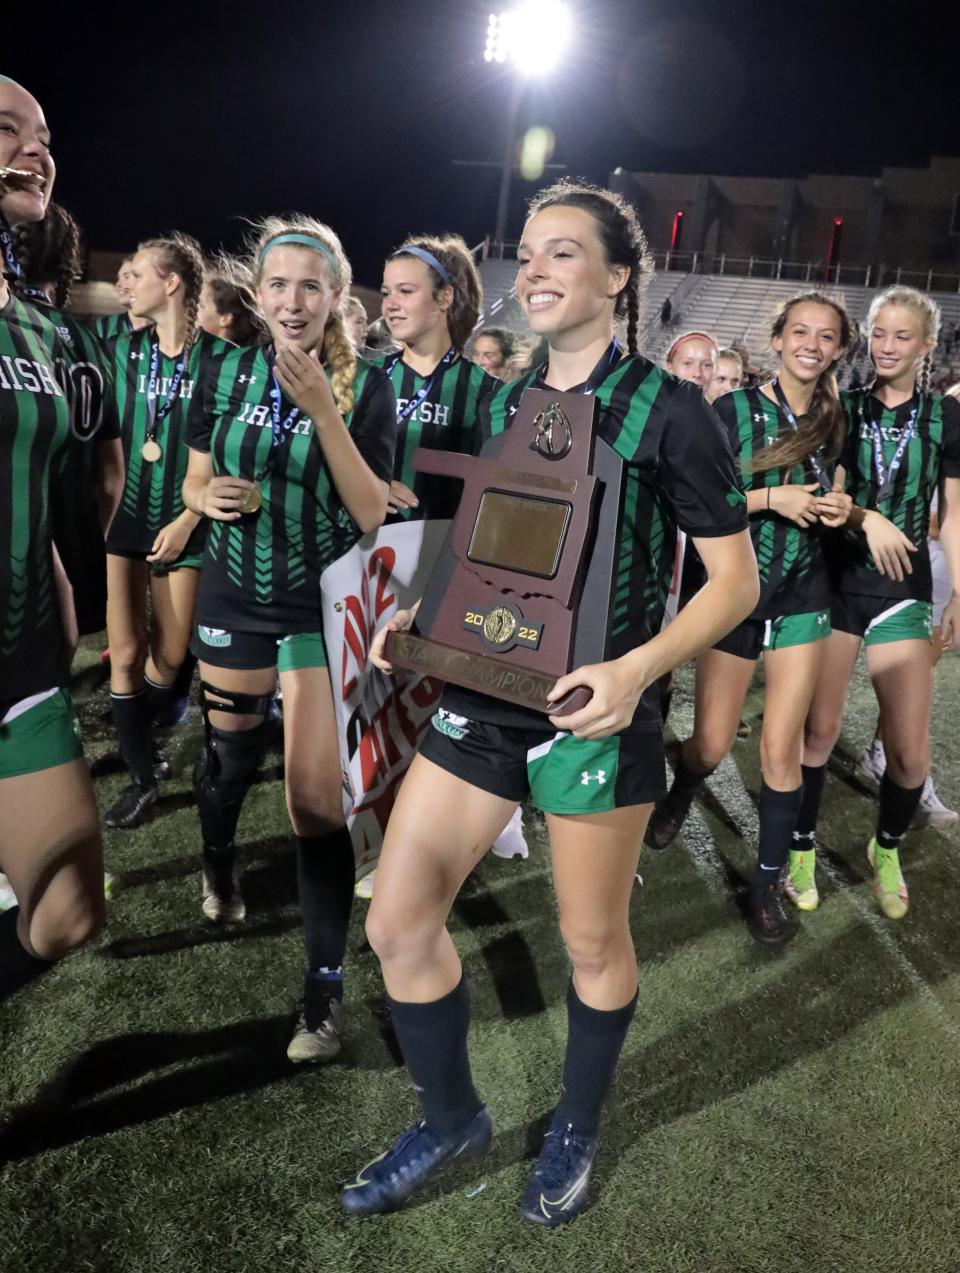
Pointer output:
x,y
532,36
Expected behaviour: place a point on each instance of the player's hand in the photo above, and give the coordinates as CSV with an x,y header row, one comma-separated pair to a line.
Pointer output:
x,y
400,498
223,496
616,690
797,504
303,380
834,507
889,546
400,622
169,543
950,624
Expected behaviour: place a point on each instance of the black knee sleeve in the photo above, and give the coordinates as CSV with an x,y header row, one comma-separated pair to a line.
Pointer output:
x,y
228,765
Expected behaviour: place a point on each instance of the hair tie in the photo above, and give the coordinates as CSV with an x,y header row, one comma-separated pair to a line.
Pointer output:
x,y
410,249
306,241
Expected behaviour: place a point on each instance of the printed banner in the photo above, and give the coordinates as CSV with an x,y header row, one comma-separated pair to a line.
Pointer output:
x,y
380,718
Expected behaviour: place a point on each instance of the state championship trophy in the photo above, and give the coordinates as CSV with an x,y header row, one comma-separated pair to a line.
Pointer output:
x,y
521,591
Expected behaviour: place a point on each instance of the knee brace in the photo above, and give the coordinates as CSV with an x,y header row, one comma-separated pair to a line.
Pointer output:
x,y
228,763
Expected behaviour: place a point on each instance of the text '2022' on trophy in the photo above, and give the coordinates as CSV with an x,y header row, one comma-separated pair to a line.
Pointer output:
x,y
521,591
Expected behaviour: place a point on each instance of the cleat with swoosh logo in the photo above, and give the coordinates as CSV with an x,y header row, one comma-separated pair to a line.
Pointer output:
x,y
556,1189
387,1182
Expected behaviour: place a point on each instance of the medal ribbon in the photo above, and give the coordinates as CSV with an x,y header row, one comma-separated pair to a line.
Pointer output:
x,y
418,397
886,477
8,246
819,472
159,414
280,429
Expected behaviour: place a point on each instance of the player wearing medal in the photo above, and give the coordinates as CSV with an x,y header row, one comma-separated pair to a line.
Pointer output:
x,y
787,435
50,845
582,262
291,458
155,543
903,443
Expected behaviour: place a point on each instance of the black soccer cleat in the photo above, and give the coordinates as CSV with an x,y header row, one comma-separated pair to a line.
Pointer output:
x,y
386,1183
767,919
667,818
131,807
556,1190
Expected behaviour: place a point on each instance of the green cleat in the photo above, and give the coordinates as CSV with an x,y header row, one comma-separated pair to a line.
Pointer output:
x,y
888,883
800,885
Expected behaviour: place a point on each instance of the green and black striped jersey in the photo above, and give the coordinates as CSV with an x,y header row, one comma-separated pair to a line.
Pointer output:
x,y
679,472
85,375
446,420
34,439
932,453
262,573
110,327
152,493
793,573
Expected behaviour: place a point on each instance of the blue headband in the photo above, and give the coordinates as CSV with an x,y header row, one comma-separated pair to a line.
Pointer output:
x,y
427,257
306,241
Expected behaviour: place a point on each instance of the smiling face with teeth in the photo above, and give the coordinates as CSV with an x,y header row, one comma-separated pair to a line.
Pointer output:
x,y
811,341
297,294
898,342
24,146
564,284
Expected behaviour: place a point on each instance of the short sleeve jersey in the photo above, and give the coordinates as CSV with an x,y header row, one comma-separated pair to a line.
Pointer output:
x,y
262,573
152,493
34,439
793,574
679,472
109,327
932,453
446,419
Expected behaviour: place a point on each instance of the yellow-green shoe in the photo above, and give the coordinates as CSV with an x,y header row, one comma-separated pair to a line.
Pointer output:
x,y
888,883
800,885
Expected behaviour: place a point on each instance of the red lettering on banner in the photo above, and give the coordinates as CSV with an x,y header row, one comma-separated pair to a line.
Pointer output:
x,y
381,566
356,641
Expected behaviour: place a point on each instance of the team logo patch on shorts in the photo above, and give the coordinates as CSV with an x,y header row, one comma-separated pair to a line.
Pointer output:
x,y
214,636
455,727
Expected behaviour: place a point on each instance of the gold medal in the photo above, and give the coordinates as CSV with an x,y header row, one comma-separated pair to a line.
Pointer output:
x,y
151,450
252,500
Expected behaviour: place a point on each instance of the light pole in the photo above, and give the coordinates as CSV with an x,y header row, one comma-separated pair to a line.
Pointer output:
x,y
531,37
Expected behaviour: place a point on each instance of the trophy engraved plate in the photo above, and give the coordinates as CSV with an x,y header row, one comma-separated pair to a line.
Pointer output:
x,y
521,592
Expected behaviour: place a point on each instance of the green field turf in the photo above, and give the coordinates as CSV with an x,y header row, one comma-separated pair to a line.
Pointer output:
x,y
789,1111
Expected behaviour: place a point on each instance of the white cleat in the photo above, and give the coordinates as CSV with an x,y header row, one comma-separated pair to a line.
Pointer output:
x,y
511,842
931,811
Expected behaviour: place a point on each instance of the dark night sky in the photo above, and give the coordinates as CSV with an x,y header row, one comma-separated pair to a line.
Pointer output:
x,y
194,117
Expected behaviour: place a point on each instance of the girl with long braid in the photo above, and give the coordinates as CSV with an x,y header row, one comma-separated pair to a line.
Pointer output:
x,y
228,307
903,443
787,436
291,459
155,543
583,262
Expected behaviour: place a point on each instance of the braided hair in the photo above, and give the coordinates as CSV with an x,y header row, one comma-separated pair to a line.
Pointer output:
x,y
823,425
232,292
49,253
927,312
337,350
179,254
620,233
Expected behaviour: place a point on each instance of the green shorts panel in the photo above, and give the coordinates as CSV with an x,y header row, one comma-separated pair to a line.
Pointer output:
x,y
42,737
244,650
186,561
796,629
574,775
301,650
903,621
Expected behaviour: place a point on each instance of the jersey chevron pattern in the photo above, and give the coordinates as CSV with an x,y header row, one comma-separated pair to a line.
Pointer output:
x,y
446,420
262,573
152,495
933,452
34,437
793,576
679,472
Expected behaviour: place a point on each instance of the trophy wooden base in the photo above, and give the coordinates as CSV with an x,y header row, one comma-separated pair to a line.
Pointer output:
x,y
482,672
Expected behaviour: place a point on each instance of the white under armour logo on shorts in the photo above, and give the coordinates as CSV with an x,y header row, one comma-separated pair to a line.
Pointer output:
x,y
586,778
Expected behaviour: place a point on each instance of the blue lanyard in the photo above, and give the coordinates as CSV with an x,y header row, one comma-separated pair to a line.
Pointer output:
x,y
818,469
404,415
8,246
159,414
886,478
280,429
